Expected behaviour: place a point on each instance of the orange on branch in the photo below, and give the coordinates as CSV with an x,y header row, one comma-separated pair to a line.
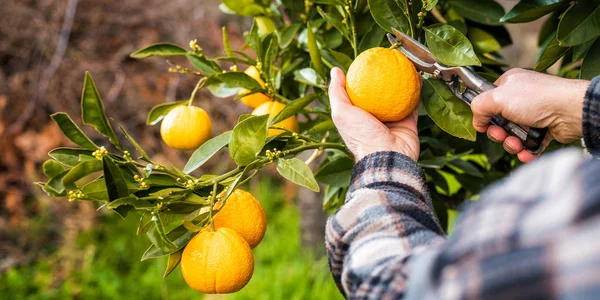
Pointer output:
x,y
186,127
256,99
244,214
272,108
217,262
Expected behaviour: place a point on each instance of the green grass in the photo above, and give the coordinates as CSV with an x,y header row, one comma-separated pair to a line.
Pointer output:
x,y
106,264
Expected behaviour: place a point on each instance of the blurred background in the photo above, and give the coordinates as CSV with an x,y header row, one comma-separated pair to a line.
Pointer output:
x,y
55,249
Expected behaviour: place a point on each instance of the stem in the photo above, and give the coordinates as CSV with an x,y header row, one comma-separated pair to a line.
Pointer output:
x,y
352,27
199,85
316,146
212,204
226,175
161,169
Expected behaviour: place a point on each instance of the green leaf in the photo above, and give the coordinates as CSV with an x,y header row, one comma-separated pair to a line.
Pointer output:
x,y
449,46
81,170
54,187
226,43
137,146
313,51
580,51
322,127
580,23
72,131
206,151
158,179
529,10
173,262
248,138
549,27
161,49
204,64
116,185
96,190
344,60
372,38
467,167
158,112
52,168
144,224
390,13
132,201
551,54
287,35
483,42
293,108
69,156
234,80
244,7
92,110
486,12
180,237
309,76
270,56
448,112
297,172
590,67
429,5
336,172
335,21
159,238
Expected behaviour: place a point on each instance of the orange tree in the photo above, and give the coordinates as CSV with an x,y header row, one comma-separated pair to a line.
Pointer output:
x,y
294,44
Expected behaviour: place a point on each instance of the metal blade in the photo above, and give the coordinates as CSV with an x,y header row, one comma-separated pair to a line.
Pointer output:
x,y
414,51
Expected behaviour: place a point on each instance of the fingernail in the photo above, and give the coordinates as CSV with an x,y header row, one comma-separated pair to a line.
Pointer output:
x,y
333,74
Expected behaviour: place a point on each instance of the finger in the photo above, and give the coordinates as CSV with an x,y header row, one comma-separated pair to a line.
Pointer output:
x,y
337,89
496,133
484,107
512,145
526,157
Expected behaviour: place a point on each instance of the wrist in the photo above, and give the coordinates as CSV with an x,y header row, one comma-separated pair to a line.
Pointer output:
x,y
567,125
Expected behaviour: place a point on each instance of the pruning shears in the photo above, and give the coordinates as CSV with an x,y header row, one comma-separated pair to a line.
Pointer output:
x,y
465,84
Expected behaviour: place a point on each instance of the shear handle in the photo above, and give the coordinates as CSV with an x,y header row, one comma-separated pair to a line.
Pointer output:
x,y
532,140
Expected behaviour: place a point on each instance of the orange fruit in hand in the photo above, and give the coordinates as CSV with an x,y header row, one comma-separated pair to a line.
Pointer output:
x,y
272,108
256,99
217,262
385,83
244,214
186,127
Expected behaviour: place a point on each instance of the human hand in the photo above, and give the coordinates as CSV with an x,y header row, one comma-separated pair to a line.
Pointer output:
x,y
531,99
363,133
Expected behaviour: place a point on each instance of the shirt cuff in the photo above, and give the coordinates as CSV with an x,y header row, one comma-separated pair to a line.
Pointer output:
x,y
387,169
591,117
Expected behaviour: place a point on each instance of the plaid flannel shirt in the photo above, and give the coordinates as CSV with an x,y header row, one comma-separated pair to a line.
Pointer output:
x,y
534,235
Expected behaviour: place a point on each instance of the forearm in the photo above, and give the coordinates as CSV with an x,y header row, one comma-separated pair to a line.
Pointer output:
x,y
388,216
591,117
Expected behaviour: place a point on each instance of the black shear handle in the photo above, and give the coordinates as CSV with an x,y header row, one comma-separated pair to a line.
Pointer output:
x,y
532,140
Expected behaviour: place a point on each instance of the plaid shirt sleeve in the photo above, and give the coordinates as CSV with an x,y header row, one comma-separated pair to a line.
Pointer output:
x,y
533,235
387,216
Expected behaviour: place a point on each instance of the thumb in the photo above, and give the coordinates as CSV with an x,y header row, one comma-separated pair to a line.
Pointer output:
x,y
484,107
338,97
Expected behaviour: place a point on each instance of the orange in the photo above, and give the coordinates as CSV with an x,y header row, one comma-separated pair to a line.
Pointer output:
x,y
244,214
217,262
385,83
256,99
186,127
272,108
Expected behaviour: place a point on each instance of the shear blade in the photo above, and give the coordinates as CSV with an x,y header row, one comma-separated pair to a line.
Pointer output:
x,y
416,52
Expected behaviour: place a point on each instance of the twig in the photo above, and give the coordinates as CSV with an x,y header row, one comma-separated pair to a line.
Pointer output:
x,y
59,53
317,152
438,16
